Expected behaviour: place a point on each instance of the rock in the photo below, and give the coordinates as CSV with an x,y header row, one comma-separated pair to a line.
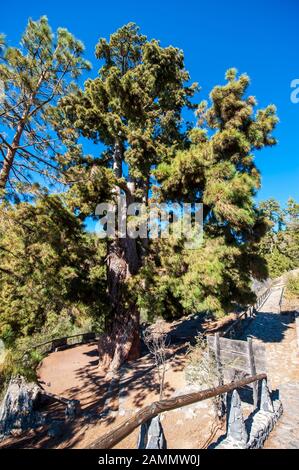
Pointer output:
x,y
266,402
55,429
17,408
236,426
71,410
151,435
155,435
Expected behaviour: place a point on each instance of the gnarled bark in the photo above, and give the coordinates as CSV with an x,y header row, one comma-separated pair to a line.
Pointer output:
x,y
121,341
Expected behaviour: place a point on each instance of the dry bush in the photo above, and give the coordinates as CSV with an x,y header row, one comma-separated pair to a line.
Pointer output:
x,y
155,338
202,370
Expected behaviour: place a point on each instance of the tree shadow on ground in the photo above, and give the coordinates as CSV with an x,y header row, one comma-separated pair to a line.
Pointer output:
x,y
269,327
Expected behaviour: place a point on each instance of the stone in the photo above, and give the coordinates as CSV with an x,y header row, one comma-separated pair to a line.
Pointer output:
x,y
72,409
142,437
56,429
266,402
236,426
151,435
155,435
17,408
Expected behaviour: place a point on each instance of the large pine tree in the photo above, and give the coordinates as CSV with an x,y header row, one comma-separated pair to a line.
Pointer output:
x,y
134,107
132,111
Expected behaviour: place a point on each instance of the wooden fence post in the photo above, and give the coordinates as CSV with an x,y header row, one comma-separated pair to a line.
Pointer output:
x,y
222,407
252,371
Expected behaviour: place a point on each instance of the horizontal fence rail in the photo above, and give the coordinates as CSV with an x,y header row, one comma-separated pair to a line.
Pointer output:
x,y
113,437
67,341
248,313
281,298
262,298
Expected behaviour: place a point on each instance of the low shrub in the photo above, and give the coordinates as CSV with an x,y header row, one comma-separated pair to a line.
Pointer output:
x,y
292,286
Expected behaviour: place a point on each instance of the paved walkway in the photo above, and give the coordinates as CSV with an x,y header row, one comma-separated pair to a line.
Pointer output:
x,y
286,433
278,332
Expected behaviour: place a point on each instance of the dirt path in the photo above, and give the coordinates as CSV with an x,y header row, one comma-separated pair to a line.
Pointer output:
x,y
137,387
74,373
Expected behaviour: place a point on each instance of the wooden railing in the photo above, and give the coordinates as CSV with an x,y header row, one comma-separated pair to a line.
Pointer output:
x,y
262,299
64,342
248,313
281,299
117,434
72,406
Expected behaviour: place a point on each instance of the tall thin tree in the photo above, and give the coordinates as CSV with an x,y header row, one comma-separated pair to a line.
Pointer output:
x,y
34,77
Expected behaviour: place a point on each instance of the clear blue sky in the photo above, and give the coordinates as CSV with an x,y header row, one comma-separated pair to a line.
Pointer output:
x,y
259,37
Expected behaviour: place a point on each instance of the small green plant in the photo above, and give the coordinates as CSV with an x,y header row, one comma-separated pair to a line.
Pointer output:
x,y
15,362
292,286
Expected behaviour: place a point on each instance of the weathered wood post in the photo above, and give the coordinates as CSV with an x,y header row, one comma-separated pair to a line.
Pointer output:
x,y
252,371
281,298
222,408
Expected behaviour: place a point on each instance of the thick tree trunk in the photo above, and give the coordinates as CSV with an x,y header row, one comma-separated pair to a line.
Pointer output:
x,y
121,341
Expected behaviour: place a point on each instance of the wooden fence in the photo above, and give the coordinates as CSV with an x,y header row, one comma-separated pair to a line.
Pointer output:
x,y
262,298
246,315
281,299
246,356
56,344
71,406
149,412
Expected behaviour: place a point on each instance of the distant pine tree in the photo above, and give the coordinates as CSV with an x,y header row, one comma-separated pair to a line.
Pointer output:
x,y
280,246
34,75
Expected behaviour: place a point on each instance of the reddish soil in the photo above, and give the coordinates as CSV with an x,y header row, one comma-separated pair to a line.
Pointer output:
x,y
74,373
